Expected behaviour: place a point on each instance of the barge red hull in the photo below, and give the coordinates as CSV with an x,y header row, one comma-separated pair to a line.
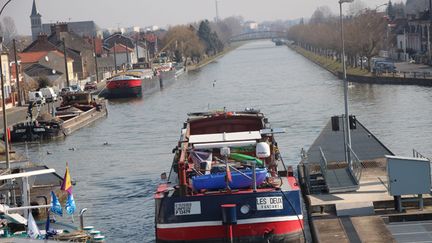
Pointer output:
x,y
124,88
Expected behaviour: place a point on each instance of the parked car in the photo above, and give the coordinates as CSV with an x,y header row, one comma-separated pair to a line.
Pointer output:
x,y
65,90
75,88
36,97
90,86
49,94
381,66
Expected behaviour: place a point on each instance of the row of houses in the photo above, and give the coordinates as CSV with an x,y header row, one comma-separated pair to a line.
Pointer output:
x,y
48,56
413,37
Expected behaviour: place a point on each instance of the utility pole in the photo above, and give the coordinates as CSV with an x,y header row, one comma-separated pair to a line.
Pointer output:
x,y
95,56
17,73
136,49
5,130
66,64
428,32
404,45
217,11
115,57
347,137
127,56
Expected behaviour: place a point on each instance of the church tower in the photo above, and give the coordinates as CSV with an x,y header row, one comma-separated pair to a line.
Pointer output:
x,y
36,22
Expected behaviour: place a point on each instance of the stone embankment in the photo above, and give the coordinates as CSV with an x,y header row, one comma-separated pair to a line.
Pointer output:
x,y
213,58
354,75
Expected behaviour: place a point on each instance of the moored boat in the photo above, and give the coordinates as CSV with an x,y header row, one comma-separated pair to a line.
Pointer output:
x,y
228,182
136,82
76,111
123,86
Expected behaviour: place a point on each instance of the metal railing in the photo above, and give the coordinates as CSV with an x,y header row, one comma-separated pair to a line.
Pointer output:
x,y
323,164
417,154
305,167
355,166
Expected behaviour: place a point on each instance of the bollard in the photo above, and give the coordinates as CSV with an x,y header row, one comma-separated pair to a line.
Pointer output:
x,y
229,218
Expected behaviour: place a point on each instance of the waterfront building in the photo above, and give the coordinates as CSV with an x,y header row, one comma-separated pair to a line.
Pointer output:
x,y
45,64
80,28
413,37
6,73
124,57
77,48
131,48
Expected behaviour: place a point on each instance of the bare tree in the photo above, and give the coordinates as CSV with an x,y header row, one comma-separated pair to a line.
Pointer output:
x,y
9,31
356,7
366,34
321,14
227,28
184,39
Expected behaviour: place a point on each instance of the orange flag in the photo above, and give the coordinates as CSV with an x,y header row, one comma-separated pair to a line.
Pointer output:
x,y
67,184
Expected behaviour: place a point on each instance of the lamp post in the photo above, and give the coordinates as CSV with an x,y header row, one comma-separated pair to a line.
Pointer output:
x,y
65,62
17,74
347,137
95,59
6,135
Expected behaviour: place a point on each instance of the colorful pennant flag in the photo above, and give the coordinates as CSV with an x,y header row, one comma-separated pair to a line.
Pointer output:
x,y
67,184
32,229
47,226
70,204
55,205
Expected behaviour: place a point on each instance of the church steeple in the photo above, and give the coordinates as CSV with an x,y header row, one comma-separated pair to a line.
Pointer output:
x,y
36,21
34,12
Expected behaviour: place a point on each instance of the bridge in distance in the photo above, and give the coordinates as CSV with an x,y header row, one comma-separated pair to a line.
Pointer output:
x,y
259,35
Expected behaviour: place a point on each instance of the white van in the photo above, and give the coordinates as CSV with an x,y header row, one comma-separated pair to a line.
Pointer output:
x,y
37,97
49,94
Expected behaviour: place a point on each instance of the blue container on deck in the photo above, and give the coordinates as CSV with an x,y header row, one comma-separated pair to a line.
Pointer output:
x,y
217,181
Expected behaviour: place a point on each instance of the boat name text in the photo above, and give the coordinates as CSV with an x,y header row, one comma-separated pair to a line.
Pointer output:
x,y
269,203
187,208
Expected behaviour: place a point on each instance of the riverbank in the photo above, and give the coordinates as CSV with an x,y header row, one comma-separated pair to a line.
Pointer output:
x,y
329,64
358,75
211,59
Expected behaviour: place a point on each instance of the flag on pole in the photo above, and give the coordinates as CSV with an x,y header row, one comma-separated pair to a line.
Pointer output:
x,y
48,230
32,229
70,204
47,225
55,205
67,184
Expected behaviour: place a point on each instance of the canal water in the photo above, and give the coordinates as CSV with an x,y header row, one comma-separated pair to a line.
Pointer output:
x,y
116,181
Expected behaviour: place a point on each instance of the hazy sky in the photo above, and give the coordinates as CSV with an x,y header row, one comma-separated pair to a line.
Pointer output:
x,y
124,13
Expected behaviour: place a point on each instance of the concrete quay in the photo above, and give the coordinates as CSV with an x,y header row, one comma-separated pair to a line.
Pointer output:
x,y
368,214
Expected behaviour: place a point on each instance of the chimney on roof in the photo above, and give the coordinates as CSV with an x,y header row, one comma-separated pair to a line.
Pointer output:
x,y
53,28
62,27
42,37
59,28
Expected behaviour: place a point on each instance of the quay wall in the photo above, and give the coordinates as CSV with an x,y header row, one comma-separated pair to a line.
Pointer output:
x,y
213,58
369,79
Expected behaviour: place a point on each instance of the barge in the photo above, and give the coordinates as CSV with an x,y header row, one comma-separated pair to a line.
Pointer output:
x,y
76,111
228,182
136,82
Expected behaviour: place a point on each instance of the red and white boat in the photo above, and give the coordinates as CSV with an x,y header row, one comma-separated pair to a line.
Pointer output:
x,y
123,86
228,182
